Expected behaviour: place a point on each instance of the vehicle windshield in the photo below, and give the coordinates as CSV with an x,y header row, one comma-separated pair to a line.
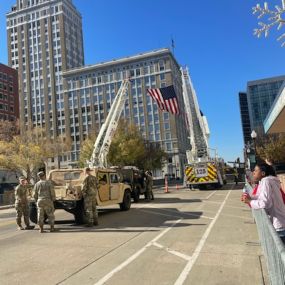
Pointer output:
x,y
61,177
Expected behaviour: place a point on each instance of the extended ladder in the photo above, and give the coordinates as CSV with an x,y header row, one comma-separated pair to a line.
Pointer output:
x,y
107,130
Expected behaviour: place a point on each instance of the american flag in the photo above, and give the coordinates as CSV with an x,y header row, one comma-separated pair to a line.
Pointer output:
x,y
165,98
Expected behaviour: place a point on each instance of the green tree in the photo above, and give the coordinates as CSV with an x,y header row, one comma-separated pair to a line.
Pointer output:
x,y
86,149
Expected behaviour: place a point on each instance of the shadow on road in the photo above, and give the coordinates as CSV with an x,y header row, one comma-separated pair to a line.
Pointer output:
x,y
134,220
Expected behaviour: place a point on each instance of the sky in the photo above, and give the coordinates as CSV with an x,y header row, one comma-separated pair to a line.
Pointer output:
x,y
213,38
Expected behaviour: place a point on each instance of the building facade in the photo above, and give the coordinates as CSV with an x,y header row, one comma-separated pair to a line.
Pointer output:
x,y
9,96
89,92
44,39
260,96
245,120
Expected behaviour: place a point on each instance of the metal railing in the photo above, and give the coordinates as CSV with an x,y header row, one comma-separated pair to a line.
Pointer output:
x,y
273,247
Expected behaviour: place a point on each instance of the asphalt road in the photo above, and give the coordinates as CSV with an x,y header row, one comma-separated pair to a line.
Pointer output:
x,y
183,237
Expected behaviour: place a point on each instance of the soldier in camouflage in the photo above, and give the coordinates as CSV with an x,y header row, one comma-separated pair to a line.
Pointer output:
x,y
44,196
89,192
149,184
22,204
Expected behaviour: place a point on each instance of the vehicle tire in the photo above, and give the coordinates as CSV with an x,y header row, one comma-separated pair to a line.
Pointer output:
x,y
79,213
126,204
33,213
136,194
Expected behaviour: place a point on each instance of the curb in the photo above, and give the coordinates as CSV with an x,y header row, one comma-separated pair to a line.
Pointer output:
x,y
6,207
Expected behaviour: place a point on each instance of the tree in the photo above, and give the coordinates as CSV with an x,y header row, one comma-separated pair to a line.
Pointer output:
x,y
129,148
272,148
25,153
274,18
86,150
8,129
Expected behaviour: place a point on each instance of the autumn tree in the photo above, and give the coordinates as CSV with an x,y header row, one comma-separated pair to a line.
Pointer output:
x,y
8,129
271,147
25,153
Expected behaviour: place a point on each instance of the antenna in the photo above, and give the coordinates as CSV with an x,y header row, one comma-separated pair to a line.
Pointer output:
x,y
172,45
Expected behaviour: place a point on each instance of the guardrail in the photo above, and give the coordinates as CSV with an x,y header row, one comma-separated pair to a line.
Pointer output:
x,y
273,247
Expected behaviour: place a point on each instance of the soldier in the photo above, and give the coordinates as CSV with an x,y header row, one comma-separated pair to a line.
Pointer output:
x,y
22,204
89,192
149,183
44,196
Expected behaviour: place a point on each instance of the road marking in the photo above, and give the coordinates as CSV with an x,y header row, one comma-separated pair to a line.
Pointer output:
x,y
7,223
135,255
174,252
210,195
160,214
200,246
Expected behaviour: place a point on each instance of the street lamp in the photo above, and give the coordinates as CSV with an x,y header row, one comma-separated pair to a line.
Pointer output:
x,y
253,136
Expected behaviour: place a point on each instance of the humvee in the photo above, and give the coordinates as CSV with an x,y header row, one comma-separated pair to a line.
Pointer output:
x,y
68,182
134,177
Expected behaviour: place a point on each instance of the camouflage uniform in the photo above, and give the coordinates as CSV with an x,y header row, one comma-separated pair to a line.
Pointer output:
x,y
22,205
89,192
45,196
149,183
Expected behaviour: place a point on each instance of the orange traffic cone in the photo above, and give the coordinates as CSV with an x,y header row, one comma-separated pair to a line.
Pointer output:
x,y
166,185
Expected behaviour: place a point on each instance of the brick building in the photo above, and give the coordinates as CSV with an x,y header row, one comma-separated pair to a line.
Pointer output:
x,y
9,96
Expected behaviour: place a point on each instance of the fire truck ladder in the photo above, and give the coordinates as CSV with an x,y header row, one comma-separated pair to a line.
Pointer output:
x,y
198,136
107,130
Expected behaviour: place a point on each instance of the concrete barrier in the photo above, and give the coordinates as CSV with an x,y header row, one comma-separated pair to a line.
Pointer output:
x,y
273,247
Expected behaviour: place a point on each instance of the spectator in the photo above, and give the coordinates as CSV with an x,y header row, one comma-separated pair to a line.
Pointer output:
x,y
268,197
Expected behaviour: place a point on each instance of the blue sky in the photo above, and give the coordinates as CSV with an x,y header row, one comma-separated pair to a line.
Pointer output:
x,y
213,38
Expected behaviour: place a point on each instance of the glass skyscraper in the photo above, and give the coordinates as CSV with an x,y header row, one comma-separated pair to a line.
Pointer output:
x,y
260,96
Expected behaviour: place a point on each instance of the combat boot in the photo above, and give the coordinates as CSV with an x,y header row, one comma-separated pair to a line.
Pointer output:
x,y
20,228
52,228
28,227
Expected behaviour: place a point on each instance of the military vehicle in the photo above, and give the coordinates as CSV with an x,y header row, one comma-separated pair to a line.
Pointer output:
x,y
135,178
68,182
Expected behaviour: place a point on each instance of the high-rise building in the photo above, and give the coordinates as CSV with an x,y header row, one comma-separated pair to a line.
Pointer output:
x,y
44,39
260,96
91,90
245,121
9,97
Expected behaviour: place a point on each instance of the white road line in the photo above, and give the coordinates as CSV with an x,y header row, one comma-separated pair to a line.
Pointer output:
x,y
200,246
135,255
174,252
160,214
210,195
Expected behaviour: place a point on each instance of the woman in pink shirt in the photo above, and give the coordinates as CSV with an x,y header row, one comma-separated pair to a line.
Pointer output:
x,y
269,197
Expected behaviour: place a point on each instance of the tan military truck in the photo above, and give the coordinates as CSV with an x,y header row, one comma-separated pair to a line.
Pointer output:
x,y
68,182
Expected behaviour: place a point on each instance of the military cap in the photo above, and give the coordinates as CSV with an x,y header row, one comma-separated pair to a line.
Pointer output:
x,y
87,169
41,174
22,178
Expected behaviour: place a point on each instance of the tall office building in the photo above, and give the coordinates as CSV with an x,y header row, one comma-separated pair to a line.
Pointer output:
x,y
91,90
260,96
244,113
44,39
9,97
